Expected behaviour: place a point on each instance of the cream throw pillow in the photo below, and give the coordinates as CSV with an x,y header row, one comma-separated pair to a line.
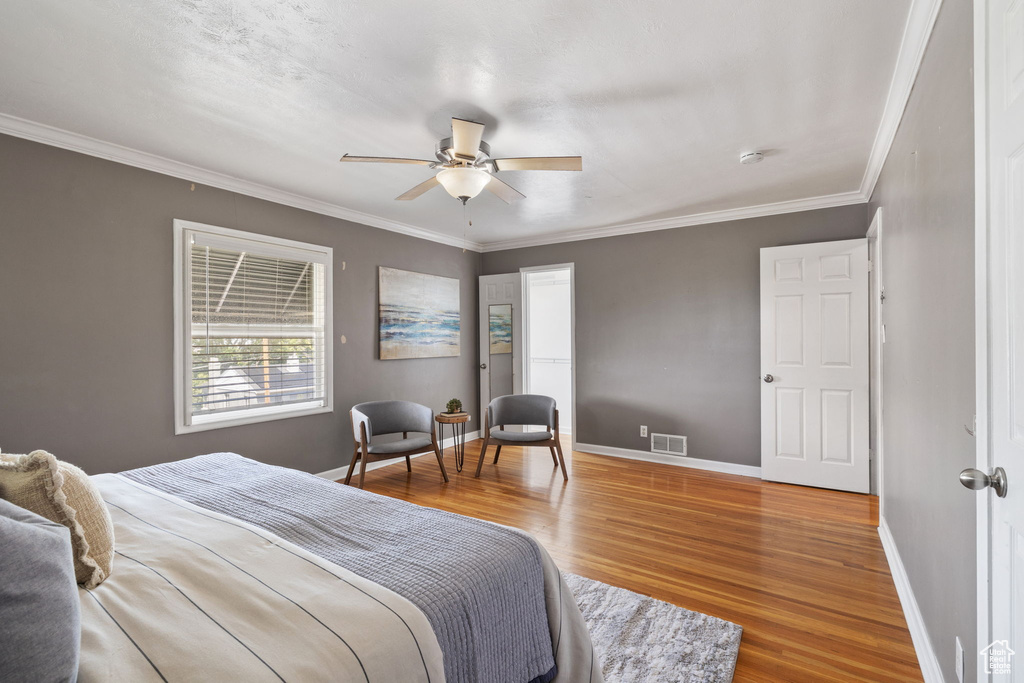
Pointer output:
x,y
63,493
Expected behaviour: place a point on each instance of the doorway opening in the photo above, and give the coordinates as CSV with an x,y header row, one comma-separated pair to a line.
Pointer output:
x,y
549,338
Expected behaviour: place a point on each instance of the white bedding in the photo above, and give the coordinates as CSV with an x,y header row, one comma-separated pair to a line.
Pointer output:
x,y
208,597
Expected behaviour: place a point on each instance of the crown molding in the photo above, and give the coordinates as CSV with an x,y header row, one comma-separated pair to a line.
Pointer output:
x,y
57,137
920,22
790,206
918,30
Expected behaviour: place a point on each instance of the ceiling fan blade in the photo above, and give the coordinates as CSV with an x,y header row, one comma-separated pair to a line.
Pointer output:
x,y
506,192
466,136
388,160
415,192
539,164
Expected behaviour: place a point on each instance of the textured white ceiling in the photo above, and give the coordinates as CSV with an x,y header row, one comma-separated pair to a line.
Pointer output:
x,y
659,96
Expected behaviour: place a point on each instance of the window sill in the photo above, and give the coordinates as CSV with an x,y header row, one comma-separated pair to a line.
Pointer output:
x,y
204,423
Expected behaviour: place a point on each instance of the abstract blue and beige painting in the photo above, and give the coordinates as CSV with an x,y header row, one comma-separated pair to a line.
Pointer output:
x,y
419,315
500,319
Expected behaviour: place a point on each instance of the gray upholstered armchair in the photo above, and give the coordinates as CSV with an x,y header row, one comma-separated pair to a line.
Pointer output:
x,y
522,409
375,418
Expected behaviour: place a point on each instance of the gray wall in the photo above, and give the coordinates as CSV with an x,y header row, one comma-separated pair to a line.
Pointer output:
x,y
927,193
86,310
668,328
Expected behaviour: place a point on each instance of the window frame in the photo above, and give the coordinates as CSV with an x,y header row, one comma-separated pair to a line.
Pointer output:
x,y
184,422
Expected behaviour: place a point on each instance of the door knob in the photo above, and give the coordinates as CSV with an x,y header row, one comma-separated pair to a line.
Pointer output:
x,y
976,480
483,366
769,379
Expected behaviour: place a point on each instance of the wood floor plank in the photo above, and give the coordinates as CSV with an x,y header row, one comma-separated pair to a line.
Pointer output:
x,y
801,569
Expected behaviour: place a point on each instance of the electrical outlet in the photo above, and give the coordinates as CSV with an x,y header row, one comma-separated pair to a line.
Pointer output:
x,y
959,660
643,431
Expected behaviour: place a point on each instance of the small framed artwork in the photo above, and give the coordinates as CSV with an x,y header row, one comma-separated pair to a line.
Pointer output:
x,y
418,315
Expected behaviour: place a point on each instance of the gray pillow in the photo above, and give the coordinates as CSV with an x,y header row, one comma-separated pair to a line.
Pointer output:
x,y
40,623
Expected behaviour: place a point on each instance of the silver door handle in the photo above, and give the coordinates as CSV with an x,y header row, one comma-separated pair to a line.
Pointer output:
x,y
977,480
769,379
483,366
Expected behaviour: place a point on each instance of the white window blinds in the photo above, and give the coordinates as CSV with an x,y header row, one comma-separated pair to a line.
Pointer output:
x,y
257,329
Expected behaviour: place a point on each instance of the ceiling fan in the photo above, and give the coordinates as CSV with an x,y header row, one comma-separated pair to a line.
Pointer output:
x,y
466,166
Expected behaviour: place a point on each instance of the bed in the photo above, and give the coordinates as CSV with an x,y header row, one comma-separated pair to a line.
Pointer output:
x,y
227,568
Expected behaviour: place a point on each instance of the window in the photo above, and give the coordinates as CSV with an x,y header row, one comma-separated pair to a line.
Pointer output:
x,y
252,328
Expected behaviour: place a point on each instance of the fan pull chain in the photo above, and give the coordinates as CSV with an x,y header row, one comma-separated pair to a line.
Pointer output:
x,y
467,216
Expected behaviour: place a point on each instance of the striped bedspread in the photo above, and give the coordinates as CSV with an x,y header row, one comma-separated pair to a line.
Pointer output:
x,y
199,596
496,602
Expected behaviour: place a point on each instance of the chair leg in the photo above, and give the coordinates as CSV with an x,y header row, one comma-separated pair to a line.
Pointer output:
x,y
554,457
440,461
352,466
497,452
408,464
362,471
561,459
483,451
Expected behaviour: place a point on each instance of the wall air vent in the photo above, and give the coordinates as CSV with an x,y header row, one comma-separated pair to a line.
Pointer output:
x,y
669,444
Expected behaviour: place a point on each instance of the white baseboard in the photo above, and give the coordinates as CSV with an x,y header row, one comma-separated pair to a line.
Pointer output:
x,y
340,472
679,461
926,658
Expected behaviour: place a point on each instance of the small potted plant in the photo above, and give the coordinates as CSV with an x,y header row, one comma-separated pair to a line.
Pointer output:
x,y
453,406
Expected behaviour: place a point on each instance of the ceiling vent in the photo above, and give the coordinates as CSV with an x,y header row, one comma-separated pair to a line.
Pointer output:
x,y
669,444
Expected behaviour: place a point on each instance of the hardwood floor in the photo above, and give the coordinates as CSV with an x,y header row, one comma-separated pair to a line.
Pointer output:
x,y
801,569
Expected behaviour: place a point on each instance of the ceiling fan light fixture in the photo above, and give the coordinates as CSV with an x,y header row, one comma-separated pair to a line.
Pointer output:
x,y
463,182
466,166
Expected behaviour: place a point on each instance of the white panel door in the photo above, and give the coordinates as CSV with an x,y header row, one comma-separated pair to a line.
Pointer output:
x,y
814,365
1001,225
501,366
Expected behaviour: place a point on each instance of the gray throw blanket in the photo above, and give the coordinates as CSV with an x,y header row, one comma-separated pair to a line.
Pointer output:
x,y
480,585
